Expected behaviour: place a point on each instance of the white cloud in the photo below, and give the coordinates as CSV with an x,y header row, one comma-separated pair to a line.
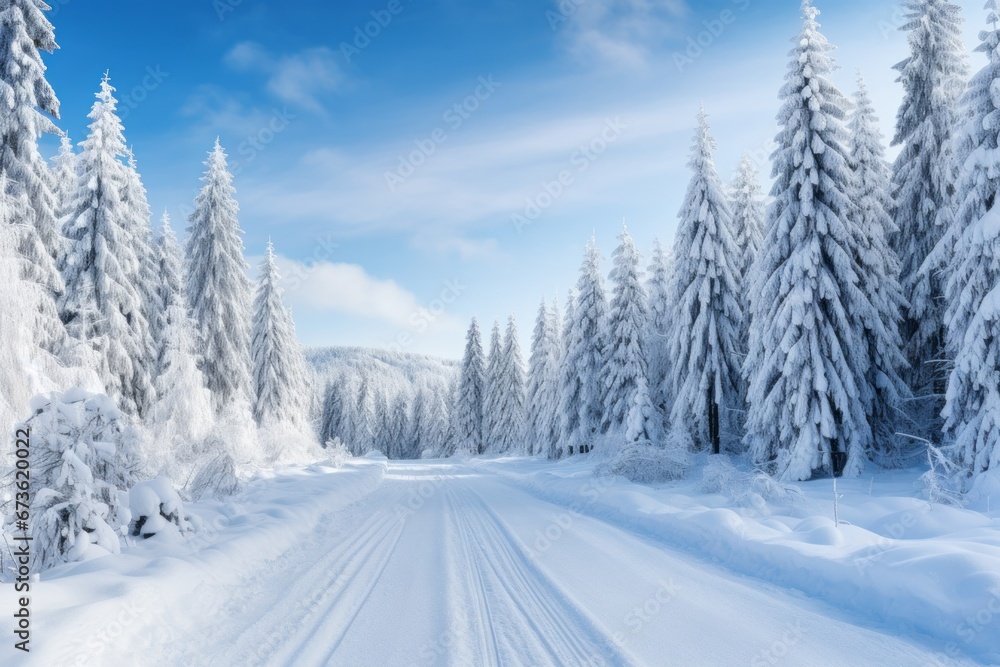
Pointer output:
x,y
618,33
299,79
315,289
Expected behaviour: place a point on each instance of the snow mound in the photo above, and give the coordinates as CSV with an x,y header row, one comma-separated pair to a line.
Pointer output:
x,y
745,489
157,508
642,462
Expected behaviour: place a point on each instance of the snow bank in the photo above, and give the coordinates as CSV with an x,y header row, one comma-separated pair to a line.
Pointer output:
x,y
113,604
900,562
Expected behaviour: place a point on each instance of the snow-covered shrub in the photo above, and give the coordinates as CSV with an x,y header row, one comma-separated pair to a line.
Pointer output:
x,y
941,482
745,488
643,462
338,452
80,463
215,479
156,508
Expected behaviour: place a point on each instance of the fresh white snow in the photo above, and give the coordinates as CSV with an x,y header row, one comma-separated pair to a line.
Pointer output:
x,y
523,561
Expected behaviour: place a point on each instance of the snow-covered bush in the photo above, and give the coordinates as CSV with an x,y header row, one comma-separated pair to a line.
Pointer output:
x,y
81,461
643,462
156,508
338,452
215,479
942,482
752,488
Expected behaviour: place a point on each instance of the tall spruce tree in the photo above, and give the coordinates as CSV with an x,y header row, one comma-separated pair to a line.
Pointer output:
x,y
570,386
279,378
29,106
509,435
658,326
749,212
471,394
705,291
933,78
807,357
586,349
541,395
973,398
493,396
884,390
219,291
103,305
626,398
183,404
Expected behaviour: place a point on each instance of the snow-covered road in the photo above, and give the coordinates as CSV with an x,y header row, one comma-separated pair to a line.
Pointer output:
x,y
447,564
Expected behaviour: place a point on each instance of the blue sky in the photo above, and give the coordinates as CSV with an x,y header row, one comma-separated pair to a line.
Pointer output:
x,y
389,172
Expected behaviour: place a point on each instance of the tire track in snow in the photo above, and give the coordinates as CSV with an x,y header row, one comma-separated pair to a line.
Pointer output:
x,y
313,577
532,621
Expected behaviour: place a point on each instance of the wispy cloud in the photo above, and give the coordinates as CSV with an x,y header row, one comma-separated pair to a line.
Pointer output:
x,y
335,288
618,33
300,79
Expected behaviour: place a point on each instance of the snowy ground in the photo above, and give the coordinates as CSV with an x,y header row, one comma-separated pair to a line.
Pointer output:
x,y
522,562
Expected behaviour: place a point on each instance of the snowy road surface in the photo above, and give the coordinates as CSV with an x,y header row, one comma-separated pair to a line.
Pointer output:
x,y
443,564
414,564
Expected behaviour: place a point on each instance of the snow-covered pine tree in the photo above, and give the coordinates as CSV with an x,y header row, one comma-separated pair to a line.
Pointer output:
x,y
182,413
219,292
706,349
586,351
553,418
658,326
136,202
362,420
540,392
570,386
625,368
509,435
493,397
29,104
279,374
471,394
807,356
102,305
418,436
438,422
333,422
878,267
398,427
972,410
64,179
747,206
933,78
381,440
17,298
977,182
973,399
81,462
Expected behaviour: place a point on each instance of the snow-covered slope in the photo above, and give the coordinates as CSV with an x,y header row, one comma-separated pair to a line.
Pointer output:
x,y
396,371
